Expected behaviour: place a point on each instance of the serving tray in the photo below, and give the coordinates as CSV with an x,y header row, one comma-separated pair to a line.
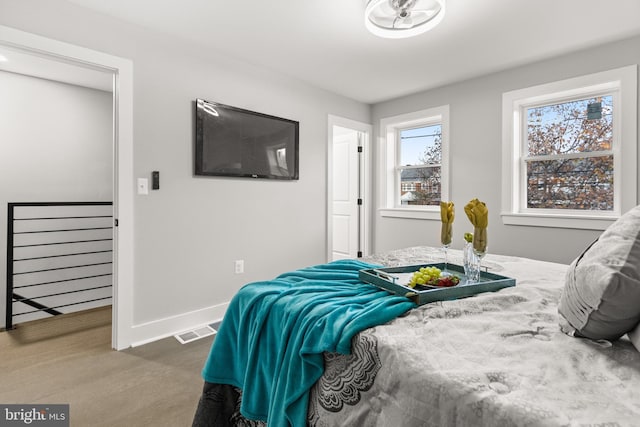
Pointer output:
x,y
395,280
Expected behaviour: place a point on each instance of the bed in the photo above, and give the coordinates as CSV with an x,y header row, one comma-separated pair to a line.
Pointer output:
x,y
494,359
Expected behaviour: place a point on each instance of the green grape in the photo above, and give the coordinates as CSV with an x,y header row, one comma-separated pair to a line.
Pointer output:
x,y
424,275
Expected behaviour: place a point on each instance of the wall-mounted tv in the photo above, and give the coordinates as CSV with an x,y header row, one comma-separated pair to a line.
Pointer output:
x,y
234,142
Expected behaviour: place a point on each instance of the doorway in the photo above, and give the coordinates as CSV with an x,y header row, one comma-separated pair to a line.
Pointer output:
x,y
120,72
348,189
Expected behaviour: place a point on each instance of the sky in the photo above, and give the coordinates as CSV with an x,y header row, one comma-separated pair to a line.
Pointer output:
x,y
415,141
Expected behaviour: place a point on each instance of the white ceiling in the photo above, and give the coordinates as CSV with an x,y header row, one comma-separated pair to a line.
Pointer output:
x,y
325,43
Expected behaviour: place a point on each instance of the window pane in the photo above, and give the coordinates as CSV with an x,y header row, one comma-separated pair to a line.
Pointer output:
x,y
583,184
571,127
421,146
420,186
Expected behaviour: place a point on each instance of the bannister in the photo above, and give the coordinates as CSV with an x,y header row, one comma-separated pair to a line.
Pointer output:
x,y
59,258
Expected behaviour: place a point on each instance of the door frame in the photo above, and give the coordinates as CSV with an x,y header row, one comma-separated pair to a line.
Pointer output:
x,y
365,180
123,178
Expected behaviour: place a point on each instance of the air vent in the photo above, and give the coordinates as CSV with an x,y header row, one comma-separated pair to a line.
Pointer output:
x,y
195,334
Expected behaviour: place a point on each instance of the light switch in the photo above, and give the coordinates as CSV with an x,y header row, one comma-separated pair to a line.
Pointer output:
x,y
143,186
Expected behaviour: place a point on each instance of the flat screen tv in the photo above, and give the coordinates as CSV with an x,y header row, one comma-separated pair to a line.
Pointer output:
x,y
234,142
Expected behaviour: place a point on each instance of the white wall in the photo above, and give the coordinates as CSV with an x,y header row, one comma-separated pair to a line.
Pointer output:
x,y
188,234
55,146
475,129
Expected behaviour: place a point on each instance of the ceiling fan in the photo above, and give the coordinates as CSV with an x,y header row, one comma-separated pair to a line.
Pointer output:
x,y
403,18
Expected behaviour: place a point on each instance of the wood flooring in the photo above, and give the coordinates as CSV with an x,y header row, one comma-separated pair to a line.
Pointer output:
x,y
68,359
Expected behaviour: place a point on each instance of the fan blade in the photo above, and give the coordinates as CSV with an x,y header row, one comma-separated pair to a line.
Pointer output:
x,y
403,23
428,12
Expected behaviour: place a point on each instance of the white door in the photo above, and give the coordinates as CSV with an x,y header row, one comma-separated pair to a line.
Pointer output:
x,y
346,193
348,188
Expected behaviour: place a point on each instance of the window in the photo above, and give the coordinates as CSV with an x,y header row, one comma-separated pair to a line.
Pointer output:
x,y
568,160
414,161
419,165
570,151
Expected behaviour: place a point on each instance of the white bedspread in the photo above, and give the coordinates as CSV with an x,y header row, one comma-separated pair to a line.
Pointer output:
x,y
495,359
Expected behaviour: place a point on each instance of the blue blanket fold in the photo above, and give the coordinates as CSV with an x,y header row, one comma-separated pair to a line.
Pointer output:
x,y
271,340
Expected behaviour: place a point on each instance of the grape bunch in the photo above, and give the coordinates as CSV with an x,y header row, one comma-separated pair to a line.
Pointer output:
x,y
433,276
425,276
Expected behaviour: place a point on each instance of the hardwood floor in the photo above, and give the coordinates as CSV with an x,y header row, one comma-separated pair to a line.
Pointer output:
x,y
69,359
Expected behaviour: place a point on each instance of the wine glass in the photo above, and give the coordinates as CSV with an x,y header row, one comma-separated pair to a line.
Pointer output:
x,y
445,240
479,250
445,249
447,214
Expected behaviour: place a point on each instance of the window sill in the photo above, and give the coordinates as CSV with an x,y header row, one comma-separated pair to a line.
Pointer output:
x,y
581,222
415,213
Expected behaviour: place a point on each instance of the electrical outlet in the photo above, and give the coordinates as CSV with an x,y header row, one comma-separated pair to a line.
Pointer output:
x,y
239,266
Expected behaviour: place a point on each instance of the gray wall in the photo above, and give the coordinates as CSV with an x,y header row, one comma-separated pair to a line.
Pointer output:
x,y
476,144
188,234
56,146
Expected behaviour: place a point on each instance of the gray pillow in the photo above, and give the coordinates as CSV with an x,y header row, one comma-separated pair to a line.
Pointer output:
x,y
601,295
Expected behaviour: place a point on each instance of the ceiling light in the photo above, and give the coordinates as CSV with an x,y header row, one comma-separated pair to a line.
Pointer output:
x,y
3,58
402,18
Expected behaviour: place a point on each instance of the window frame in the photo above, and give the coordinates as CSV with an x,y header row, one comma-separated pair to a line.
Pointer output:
x,y
389,150
621,83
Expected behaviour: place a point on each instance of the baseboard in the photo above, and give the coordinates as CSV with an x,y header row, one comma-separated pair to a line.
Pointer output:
x,y
155,330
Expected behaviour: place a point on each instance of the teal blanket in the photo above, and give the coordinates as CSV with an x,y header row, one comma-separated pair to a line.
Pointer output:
x,y
271,340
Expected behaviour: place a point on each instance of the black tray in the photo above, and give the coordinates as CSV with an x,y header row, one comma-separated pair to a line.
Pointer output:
x,y
391,279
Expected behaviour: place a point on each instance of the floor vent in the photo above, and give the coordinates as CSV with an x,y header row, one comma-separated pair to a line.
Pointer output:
x,y
195,334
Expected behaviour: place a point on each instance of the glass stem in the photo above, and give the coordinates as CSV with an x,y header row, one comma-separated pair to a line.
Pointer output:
x,y
445,257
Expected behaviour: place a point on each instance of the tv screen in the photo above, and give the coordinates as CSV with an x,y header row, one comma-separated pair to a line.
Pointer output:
x,y
231,141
